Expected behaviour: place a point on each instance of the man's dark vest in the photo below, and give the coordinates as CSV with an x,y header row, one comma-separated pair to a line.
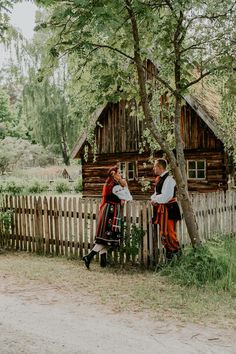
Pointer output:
x,y
160,183
173,208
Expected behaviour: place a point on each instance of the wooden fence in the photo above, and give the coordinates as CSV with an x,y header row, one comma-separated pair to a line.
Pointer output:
x,y
67,225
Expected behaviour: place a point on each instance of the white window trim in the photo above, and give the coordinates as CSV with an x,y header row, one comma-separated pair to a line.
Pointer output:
x,y
196,178
127,170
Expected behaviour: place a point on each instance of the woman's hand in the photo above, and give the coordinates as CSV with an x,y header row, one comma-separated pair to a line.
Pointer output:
x,y
117,177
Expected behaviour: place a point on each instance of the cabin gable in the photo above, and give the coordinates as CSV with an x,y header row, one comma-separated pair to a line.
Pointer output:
x,y
196,133
117,131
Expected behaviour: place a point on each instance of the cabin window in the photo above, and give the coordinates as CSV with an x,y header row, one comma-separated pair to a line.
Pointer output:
x,y
127,170
196,169
122,169
131,171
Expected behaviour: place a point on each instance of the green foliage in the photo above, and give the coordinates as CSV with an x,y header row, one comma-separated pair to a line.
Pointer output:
x,y
6,159
5,114
2,185
62,186
78,185
145,184
133,242
13,187
45,104
36,186
5,227
5,7
16,153
211,264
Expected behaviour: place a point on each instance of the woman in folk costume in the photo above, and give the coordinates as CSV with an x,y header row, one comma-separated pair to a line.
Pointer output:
x,y
166,209
109,230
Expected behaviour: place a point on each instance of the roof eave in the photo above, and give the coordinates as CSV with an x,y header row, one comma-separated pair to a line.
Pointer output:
x,y
202,113
83,137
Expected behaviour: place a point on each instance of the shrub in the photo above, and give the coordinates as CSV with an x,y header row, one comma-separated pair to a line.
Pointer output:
x,y
134,241
62,186
5,227
213,263
37,186
2,187
78,186
13,187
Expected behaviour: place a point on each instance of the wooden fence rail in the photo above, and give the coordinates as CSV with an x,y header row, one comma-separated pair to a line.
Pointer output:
x,y
67,225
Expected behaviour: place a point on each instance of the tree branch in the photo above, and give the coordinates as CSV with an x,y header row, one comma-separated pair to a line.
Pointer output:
x,y
204,75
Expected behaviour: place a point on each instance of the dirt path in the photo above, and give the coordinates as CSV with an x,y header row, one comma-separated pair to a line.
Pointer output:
x,y
38,318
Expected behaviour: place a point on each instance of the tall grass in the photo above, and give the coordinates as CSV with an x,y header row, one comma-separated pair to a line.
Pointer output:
x,y
212,264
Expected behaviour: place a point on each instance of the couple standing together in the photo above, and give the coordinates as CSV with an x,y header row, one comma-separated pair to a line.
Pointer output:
x,y
115,193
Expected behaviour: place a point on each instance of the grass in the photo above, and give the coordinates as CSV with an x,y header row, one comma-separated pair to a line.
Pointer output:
x,y
212,265
126,290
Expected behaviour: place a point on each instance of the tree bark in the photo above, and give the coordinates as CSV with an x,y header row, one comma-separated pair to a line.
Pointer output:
x,y
186,204
177,40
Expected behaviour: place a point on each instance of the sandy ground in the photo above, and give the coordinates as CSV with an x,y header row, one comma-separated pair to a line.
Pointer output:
x,y
37,318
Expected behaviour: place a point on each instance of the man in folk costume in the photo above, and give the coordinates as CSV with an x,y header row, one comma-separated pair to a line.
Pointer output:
x,y
166,209
109,229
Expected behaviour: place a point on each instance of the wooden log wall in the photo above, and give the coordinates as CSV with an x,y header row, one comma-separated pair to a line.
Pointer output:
x,y
216,177
117,131
67,226
95,174
195,132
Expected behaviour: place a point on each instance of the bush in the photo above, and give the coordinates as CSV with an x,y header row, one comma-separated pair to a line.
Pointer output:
x,y
134,241
13,187
78,186
213,263
5,227
2,187
62,186
37,187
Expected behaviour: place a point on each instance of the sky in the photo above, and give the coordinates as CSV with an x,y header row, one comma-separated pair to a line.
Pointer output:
x,y
23,18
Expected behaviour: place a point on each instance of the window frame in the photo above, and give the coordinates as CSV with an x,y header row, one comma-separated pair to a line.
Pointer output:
x,y
196,169
126,170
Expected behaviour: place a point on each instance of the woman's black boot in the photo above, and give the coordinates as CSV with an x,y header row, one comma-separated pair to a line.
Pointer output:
x,y
87,259
103,260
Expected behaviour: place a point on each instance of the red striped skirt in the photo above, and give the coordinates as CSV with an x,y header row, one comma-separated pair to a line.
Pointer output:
x,y
109,230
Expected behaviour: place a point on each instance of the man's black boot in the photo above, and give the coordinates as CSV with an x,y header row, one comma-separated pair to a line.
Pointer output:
x,y
169,256
103,260
87,259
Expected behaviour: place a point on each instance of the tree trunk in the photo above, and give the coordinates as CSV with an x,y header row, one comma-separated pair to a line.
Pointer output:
x,y
180,182
178,139
64,147
65,155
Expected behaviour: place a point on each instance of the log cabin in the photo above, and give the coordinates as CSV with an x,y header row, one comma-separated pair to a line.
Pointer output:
x,y
119,135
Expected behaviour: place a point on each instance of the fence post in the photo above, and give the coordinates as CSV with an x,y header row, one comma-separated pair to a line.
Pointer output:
x,y
75,228
145,237
46,224
80,230
56,226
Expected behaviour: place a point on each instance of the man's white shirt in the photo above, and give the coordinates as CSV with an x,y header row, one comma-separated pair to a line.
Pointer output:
x,y
167,191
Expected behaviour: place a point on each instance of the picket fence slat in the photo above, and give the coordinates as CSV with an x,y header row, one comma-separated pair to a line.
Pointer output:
x,y
75,210
60,226
80,230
